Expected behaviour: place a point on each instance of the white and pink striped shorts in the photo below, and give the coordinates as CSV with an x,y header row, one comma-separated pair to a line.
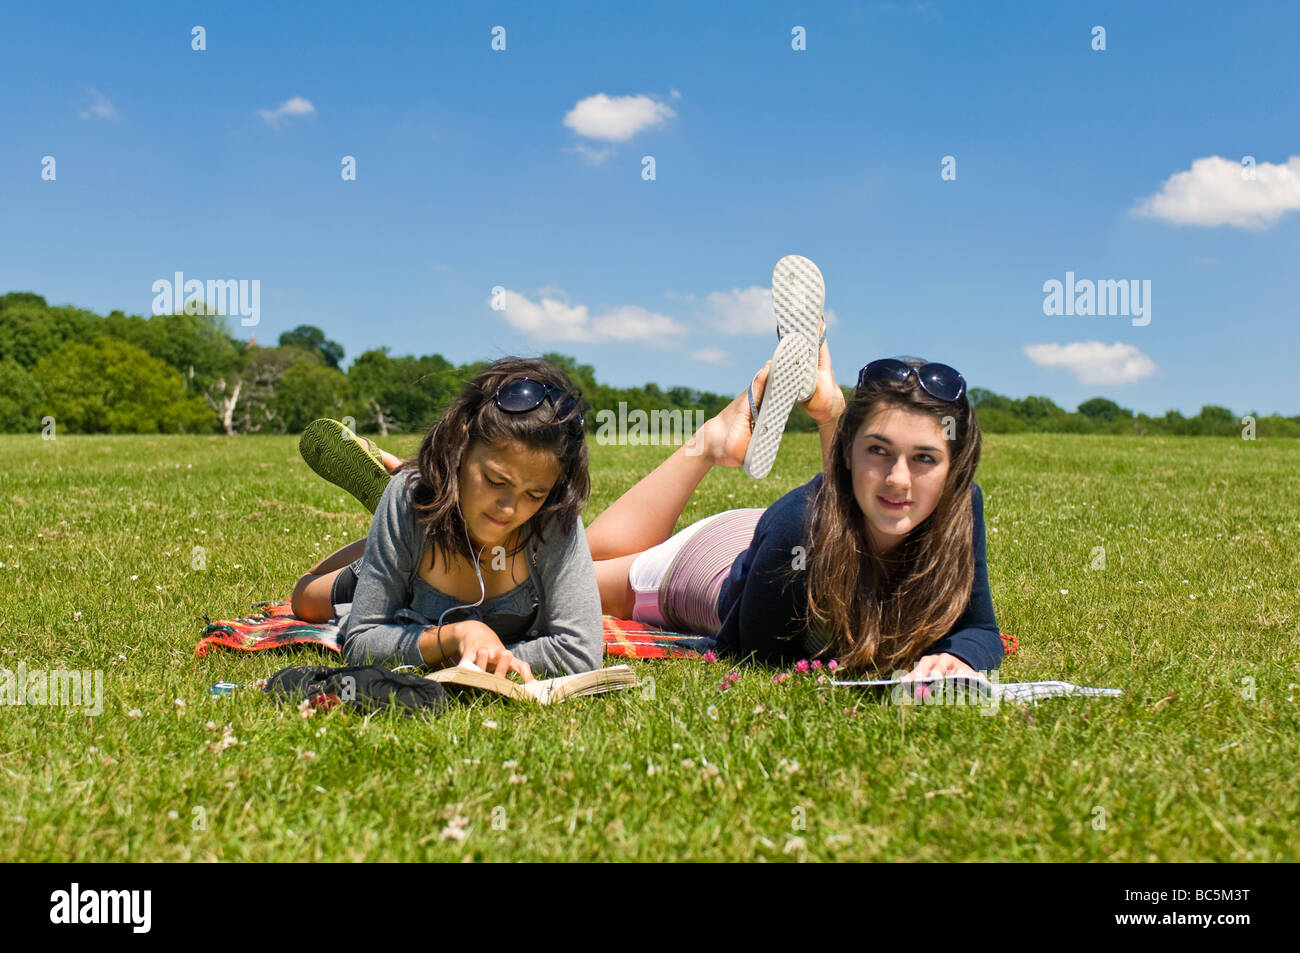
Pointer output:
x,y
677,583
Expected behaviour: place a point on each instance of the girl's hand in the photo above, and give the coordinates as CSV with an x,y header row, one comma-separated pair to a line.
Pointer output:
x,y
941,664
477,642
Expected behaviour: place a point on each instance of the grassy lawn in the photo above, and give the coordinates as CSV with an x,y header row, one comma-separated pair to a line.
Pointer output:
x,y
1194,614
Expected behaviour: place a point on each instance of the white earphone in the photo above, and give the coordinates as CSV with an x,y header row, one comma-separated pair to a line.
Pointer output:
x,y
478,572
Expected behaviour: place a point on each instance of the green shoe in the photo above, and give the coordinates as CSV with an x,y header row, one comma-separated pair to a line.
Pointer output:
x,y
346,460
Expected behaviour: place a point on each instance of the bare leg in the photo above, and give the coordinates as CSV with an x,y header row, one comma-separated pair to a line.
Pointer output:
x,y
616,595
645,515
312,597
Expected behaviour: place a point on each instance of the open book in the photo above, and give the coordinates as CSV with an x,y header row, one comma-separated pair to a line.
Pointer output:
x,y
981,687
547,690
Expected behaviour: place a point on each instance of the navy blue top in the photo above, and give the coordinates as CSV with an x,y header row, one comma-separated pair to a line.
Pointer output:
x,y
762,605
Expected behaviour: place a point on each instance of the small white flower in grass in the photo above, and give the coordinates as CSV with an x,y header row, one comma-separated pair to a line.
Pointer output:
x,y
510,764
321,733
173,815
794,844
210,726
76,617
650,769
455,829
159,588
135,577
1065,592
121,656
309,755
517,778
239,565
687,763
180,702
491,725
1191,595
677,746
135,713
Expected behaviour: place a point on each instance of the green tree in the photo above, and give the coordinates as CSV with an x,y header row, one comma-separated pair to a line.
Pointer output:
x,y
20,399
200,346
1102,409
311,338
402,393
306,391
109,386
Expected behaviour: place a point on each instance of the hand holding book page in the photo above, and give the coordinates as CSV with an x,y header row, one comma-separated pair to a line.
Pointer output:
x,y
546,691
932,687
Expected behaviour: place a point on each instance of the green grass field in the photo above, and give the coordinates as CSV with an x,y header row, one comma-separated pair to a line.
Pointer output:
x,y
1194,614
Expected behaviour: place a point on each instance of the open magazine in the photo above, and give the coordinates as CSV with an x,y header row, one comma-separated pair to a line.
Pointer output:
x,y
977,685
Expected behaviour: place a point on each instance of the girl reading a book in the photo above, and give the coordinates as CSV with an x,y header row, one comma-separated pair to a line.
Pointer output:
x,y
476,550
878,561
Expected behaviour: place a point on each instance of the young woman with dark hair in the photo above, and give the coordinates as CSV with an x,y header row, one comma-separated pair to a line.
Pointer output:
x,y
476,550
878,561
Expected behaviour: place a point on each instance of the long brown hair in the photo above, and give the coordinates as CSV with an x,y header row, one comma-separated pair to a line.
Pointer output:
x,y
881,612
473,418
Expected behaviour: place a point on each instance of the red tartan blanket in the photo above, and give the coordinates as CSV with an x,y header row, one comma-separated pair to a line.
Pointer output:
x,y
273,625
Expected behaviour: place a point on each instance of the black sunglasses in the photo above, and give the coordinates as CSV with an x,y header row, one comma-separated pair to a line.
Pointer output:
x,y
938,380
524,394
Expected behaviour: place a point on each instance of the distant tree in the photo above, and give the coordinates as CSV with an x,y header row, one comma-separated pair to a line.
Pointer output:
x,y
1035,408
402,393
311,338
1100,408
20,399
257,382
306,391
198,345
109,386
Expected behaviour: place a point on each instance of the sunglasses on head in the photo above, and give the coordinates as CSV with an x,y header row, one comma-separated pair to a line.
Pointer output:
x,y
524,394
938,380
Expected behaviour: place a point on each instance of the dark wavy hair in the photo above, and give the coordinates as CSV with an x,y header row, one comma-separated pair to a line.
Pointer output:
x,y
474,418
882,612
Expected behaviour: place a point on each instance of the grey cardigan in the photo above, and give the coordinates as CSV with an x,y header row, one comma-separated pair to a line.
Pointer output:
x,y
386,618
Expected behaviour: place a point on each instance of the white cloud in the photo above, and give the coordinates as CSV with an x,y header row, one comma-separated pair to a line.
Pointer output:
x,y
1216,191
711,355
1092,362
552,318
297,106
747,311
616,118
593,155
101,108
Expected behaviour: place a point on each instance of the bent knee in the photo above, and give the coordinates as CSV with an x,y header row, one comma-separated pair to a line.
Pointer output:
x,y
308,601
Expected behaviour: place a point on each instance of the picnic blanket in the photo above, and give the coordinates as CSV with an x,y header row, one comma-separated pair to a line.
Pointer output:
x,y
272,625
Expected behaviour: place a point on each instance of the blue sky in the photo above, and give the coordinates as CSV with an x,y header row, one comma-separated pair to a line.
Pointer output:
x,y
521,169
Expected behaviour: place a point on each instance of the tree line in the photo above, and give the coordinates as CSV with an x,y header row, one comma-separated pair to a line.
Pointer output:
x,y
186,373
